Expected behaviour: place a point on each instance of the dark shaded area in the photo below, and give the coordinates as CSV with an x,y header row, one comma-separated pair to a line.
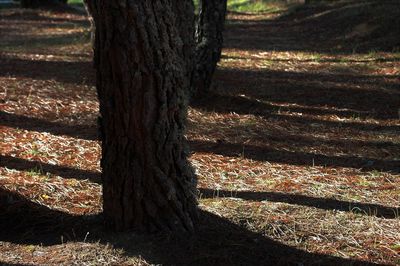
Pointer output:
x,y
320,203
215,242
265,153
59,6
36,124
271,137
259,153
31,223
344,27
16,37
63,171
347,95
49,40
223,103
359,95
32,15
78,72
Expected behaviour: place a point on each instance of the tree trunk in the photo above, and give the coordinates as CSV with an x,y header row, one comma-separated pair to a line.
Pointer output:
x,y
89,6
141,62
209,39
185,24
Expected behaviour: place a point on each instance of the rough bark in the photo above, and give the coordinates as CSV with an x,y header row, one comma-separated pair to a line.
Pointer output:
x,y
185,21
141,63
209,39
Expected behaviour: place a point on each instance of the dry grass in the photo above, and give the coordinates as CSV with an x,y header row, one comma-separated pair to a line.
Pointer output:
x,y
299,146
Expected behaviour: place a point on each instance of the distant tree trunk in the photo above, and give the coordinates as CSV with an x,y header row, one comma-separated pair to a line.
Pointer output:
x,y
141,60
89,6
209,39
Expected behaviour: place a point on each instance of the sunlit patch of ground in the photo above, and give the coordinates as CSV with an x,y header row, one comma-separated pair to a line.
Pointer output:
x,y
298,146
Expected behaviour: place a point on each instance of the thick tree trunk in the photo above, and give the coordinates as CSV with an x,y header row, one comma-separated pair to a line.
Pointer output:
x,y
142,83
185,24
209,39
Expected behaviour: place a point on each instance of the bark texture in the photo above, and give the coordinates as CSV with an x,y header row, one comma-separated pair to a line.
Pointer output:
x,y
141,60
209,39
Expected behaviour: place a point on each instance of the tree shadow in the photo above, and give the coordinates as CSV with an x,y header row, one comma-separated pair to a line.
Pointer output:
x,y
44,168
361,95
28,27
321,203
87,132
220,103
265,153
47,40
27,222
216,241
223,103
77,72
33,15
254,152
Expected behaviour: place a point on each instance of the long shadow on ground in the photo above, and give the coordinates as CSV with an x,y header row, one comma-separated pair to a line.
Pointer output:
x,y
314,93
76,72
259,153
321,203
15,11
63,171
36,124
215,242
346,95
222,103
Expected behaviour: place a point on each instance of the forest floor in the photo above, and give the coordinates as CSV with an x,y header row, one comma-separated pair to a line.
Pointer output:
x,y
297,148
